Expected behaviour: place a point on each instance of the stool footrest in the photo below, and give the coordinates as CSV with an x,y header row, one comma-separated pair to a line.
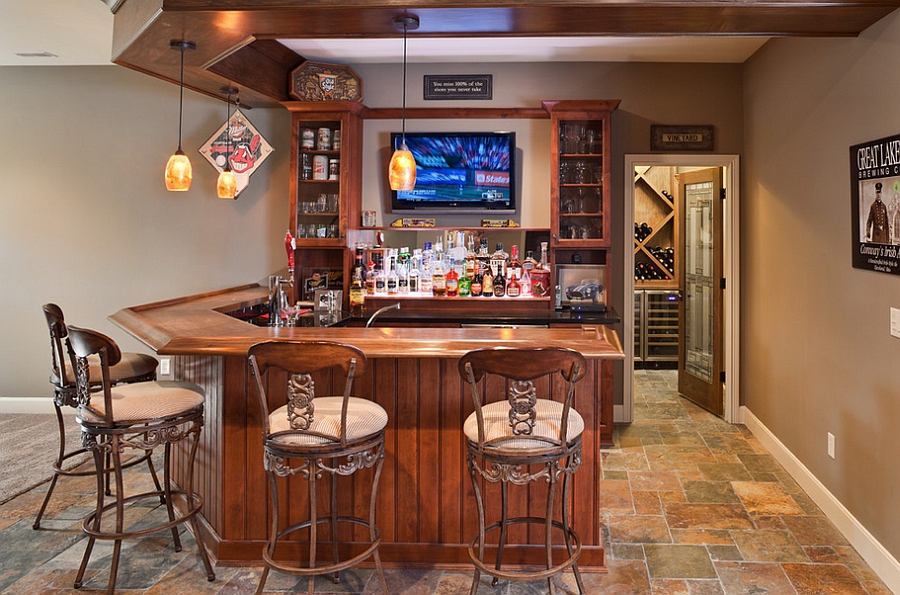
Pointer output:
x,y
194,500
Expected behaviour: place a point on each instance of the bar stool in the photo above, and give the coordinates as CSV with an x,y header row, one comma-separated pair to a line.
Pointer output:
x,y
513,436
337,435
140,415
133,367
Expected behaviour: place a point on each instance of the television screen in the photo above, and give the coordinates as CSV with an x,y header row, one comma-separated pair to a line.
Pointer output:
x,y
460,172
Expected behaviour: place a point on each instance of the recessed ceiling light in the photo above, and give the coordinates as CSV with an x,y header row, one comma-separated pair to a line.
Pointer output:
x,y
36,55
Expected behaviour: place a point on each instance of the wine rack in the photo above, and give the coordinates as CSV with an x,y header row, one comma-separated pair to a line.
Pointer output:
x,y
656,228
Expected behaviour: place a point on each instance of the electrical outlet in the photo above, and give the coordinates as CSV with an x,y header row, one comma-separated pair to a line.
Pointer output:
x,y
830,445
165,367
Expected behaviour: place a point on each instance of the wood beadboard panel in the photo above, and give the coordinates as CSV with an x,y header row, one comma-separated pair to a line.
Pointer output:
x,y
425,502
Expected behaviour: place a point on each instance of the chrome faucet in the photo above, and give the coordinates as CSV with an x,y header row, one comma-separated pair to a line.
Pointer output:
x,y
378,313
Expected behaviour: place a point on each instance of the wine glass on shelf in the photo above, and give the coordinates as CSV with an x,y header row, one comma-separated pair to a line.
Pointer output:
x,y
589,140
581,200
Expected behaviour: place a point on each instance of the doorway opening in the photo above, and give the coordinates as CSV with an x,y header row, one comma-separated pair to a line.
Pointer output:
x,y
685,259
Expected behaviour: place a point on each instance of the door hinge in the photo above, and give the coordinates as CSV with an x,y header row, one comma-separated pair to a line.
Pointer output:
x,y
722,283
722,193
722,376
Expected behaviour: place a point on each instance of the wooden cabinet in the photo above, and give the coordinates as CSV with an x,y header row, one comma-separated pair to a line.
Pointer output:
x,y
580,183
657,229
326,150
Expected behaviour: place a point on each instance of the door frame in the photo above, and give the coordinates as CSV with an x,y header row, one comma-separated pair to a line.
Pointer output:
x,y
731,257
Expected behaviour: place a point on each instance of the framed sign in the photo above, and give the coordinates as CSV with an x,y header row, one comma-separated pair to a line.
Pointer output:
x,y
238,142
681,138
875,205
459,86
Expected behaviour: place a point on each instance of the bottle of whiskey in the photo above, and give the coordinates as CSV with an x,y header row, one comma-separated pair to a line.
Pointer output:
x,y
370,279
470,258
514,266
540,276
499,260
451,278
499,283
475,289
357,294
513,287
487,282
438,278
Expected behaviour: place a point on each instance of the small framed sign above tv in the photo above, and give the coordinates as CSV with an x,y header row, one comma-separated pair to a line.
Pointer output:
x,y
459,172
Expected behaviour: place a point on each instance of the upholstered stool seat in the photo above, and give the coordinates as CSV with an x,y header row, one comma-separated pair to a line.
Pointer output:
x,y
133,367
310,436
516,436
140,416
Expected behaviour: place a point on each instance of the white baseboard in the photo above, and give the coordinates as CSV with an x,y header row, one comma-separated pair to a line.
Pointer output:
x,y
882,562
26,405
619,414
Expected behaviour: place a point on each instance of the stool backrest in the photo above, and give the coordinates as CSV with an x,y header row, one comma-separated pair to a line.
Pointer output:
x,y
520,367
59,377
84,343
299,360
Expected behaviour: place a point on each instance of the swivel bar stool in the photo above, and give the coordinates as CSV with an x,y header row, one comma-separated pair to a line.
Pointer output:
x,y
133,367
140,415
515,436
337,435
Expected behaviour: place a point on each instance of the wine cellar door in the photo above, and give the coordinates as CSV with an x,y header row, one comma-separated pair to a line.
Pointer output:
x,y
701,346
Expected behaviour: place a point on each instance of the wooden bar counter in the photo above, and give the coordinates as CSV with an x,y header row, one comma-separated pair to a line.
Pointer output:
x,y
426,510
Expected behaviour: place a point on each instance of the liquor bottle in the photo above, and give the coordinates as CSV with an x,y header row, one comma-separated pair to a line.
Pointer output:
x,y
514,266
465,282
470,258
499,283
403,272
513,287
380,281
499,260
438,278
525,283
393,280
357,294
475,289
370,279
452,279
414,272
487,282
426,286
483,256
540,276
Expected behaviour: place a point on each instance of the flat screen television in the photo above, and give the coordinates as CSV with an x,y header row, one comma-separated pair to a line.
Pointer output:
x,y
460,172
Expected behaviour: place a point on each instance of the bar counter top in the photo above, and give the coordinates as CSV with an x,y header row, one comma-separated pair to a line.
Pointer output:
x,y
200,325
426,506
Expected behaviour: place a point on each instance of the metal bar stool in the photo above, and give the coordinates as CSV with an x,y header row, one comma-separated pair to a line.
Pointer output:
x,y
337,435
133,367
140,415
516,437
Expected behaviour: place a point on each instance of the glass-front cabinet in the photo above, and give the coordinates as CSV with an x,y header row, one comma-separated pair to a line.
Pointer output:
x,y
326,145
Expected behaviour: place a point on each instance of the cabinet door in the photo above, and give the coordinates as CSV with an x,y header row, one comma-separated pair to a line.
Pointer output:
x,y
580,180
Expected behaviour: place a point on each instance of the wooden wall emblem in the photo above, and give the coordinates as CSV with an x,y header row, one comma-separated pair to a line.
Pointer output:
x,y
318,81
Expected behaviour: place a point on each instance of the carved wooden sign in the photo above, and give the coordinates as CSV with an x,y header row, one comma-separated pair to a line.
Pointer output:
x,y
681,138
318,81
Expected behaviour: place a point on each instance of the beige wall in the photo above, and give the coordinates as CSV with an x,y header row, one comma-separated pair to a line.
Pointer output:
x,y
95,244
816,353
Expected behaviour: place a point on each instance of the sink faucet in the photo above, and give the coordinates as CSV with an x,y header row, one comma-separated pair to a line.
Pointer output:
x,y
378,313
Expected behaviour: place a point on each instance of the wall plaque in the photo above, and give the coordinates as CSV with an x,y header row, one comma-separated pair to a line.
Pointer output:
x,y
317,81
459,86
681,138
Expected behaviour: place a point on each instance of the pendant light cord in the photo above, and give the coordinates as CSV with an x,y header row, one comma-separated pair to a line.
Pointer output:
x,y
403,106
181,98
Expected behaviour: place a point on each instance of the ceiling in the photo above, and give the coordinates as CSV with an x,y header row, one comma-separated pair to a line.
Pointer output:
x,y
80,32
255,44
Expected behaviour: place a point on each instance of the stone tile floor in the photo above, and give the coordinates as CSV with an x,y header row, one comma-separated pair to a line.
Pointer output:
x,y
691,506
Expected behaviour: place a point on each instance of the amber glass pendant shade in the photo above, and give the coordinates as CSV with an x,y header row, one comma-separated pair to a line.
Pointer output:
x,y
179,172
402,170
226,186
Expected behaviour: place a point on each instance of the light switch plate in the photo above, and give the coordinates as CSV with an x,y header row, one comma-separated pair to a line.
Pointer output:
x,y
895,322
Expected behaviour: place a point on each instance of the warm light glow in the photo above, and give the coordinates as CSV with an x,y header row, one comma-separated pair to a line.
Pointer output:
x,y
226,186
402,170
179,172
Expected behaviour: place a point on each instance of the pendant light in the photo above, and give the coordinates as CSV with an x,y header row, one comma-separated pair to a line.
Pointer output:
x,y
402,170
226,186
179,172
